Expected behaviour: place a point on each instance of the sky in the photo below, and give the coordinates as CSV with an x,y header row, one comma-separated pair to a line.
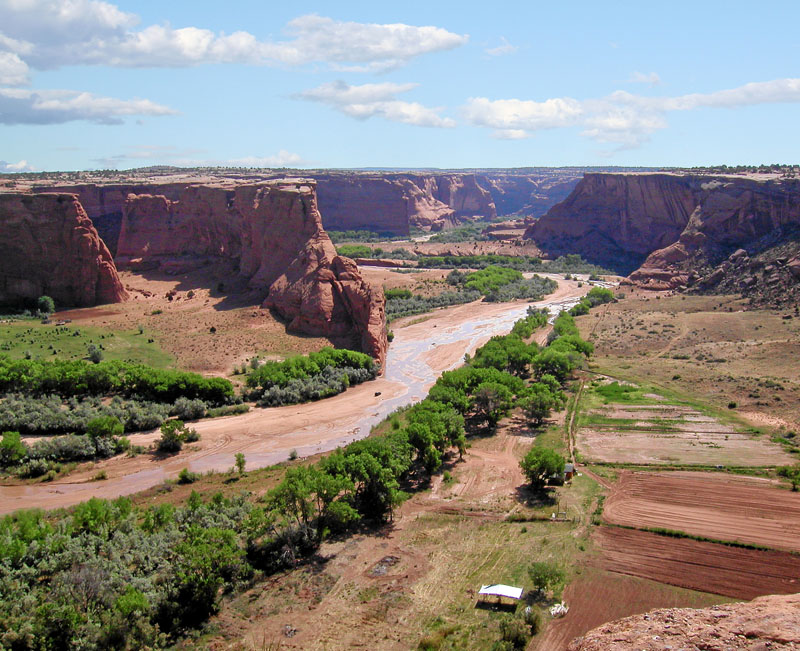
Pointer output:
x,y
86,84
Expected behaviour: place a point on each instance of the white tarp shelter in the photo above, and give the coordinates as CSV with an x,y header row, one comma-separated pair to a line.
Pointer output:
x,y
500,590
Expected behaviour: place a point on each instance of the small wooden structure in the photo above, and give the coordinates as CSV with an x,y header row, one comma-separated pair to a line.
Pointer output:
x,y
569,471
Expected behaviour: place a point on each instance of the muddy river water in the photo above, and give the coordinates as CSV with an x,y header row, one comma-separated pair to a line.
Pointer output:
x,y
419,353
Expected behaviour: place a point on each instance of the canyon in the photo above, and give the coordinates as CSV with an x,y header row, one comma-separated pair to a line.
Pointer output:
x,y
269,236
734,233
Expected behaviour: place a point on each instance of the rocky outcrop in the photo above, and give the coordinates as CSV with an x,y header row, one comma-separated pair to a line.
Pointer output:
x,y
676,229
273,232
395,203
529,193
48,246
105,203
771,622
616,220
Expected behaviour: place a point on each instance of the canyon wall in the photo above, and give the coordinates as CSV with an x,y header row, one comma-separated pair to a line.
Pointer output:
x,y
617,219
395,203
273,232
48,246
673,230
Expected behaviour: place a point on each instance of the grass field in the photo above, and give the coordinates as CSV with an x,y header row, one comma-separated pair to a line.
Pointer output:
x,y
705,348
627,423
35,340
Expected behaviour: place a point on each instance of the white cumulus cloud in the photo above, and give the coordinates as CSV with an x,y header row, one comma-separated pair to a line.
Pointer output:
x,y
368,100
621,117
51,33
15,168
21,106
13,70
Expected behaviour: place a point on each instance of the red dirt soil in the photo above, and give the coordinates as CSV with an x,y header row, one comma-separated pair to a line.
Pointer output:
x,y
597,597
714,505
730,571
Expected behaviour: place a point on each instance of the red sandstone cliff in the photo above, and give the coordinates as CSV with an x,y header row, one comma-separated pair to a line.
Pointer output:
x,y
393,203
617,219
771,622
48,246
682,229
274,231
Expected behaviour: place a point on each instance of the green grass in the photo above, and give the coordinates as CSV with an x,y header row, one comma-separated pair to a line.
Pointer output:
x,y
21,339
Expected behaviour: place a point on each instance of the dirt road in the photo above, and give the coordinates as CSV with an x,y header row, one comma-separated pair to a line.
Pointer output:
x,y
419,353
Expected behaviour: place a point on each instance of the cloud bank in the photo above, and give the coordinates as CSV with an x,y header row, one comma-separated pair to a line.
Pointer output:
x,y
622,118
369,100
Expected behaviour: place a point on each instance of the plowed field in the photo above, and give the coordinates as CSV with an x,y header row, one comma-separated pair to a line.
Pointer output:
x,y
596,597
713,505
730,571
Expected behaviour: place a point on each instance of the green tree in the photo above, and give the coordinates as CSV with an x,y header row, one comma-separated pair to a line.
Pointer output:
x,y
12,449
240,462
492,401
792,473
45,305
104,426
539,464
539,403
546,575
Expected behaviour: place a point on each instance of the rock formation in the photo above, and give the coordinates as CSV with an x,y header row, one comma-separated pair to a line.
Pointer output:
x,y
678,229
48,246
273,232
617,219
771,622
395,203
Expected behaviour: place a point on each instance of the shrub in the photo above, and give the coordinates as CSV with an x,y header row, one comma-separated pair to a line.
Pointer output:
x,y
240,462
173,435
104,426
12,449
515,631
187,477
45,305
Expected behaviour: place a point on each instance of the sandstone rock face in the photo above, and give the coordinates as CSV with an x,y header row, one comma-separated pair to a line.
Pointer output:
x,y
617,219
273,230
673,229
105,203
393,203
48,246
529,193
771,622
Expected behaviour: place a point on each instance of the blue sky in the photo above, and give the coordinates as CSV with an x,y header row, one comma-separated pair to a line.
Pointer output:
x,y
90,85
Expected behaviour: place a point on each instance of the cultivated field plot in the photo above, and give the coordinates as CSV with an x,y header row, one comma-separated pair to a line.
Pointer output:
x,y
653,430
730,571
713,505
596,597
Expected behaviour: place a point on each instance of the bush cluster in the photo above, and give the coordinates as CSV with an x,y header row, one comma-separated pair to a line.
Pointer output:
x,y
76,378
309,377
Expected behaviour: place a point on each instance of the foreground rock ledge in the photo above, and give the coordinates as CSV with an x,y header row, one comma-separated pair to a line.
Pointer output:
x,y
766,623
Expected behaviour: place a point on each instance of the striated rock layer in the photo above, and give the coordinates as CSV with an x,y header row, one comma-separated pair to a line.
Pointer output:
x,y
273,231
48,246
771,622
395,203
672,229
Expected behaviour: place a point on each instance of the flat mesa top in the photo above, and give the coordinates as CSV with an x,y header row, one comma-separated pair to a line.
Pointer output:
x,y
500,590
